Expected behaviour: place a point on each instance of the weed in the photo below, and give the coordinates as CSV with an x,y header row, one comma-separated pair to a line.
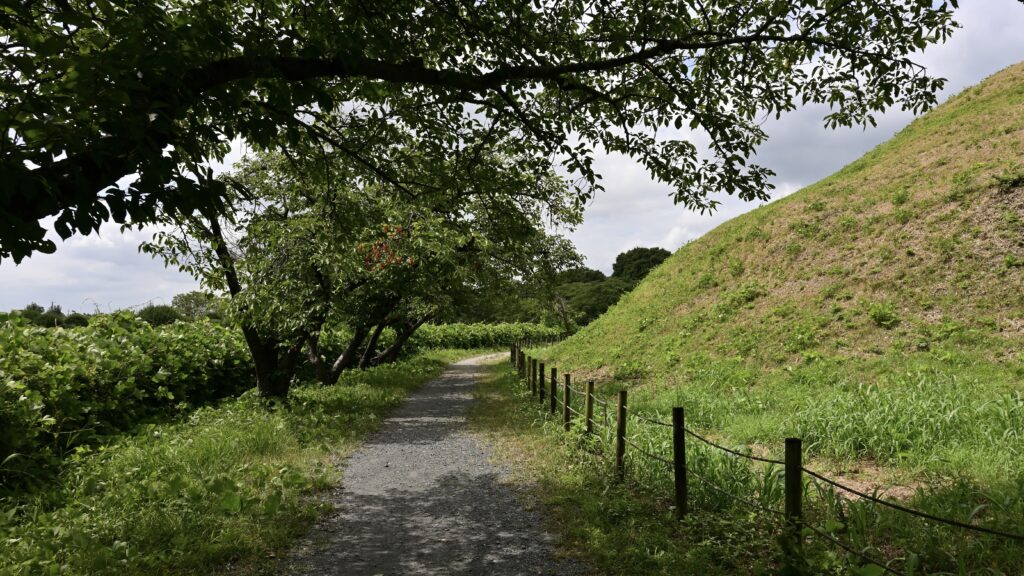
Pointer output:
x,y
806,229
963,183
736,267
846,223
631,370
945,246
901,216
882,314
707,280
1010,179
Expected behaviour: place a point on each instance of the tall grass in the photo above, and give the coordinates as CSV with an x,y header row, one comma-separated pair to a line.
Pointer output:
x,y
914,411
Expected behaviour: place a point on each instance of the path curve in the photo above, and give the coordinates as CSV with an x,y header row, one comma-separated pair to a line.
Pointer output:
x,y
421,497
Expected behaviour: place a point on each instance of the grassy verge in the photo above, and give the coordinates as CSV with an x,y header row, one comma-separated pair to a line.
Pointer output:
x,y
627,528
615,528
228,487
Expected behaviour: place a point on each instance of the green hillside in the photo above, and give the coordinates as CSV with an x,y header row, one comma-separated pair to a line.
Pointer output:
x,y
879,313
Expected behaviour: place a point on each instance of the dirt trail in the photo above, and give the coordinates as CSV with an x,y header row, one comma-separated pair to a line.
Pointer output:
x,y
421,497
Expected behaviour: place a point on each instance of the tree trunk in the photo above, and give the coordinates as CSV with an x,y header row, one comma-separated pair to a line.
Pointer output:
x,y
322,369
274,366
348,358
274,371
371,347
392,352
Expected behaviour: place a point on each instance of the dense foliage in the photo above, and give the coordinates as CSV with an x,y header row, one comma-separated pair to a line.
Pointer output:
x,y
95,92
583,294
197,304
635,263
585,301
62,388
159,314
481,335
308,244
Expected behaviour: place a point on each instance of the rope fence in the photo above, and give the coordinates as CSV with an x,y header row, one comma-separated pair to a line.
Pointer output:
x,y
913,512
793,468
731,451
745,501
849,549
649,455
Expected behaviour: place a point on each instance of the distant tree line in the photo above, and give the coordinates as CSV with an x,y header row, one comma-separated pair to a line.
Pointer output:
x,y
188,306
573,298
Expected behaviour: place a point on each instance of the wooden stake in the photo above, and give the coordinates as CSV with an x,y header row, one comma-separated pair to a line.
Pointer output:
x,y
679,461
620,438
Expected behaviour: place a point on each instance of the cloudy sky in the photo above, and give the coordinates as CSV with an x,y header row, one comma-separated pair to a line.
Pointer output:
x,y
106,271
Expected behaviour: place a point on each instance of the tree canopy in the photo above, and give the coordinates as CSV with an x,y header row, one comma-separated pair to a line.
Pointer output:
x,y
632,265
113,111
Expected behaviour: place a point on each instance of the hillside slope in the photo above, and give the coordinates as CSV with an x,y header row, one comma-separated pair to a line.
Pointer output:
x,y
855,310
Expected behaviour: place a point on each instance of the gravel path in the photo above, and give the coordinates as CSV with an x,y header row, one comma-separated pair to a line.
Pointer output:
x,y
421,497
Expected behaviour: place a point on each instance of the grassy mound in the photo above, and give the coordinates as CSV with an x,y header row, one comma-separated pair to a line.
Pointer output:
x,y
878,313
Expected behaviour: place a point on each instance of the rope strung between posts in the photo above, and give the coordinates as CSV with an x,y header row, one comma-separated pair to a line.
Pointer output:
x,y
918,513
754,505
643,418
849,549
731,451
648,454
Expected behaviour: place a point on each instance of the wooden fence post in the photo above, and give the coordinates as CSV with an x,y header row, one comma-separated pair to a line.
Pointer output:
x,y
679,461
554,380
566,399
793,486
540,381
512,353
620,438
533,376
588,407
554,394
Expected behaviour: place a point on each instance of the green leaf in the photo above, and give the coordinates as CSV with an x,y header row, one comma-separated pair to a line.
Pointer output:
x,y
870,570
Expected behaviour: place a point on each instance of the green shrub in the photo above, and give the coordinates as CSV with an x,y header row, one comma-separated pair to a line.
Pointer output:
x,y
76,319
61,388
159,314
481,335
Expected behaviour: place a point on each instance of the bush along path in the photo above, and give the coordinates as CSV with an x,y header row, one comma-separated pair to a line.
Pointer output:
x,y
421,497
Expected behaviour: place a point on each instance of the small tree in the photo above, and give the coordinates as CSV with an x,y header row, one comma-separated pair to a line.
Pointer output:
x,y
196,305
314,237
